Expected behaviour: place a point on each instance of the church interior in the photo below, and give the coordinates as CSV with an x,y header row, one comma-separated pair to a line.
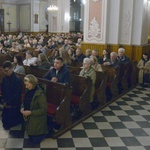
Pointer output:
x,y
108,109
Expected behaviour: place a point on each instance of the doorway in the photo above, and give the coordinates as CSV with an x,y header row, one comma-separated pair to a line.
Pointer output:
x,y
1,21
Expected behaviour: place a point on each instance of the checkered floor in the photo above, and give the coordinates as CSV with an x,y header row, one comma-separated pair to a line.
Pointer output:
x,y
124,125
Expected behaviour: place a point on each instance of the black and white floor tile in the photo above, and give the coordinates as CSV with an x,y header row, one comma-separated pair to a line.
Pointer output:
x,y
124,125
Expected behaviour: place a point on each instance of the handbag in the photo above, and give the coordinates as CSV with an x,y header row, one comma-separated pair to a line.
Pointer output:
x,y
146,77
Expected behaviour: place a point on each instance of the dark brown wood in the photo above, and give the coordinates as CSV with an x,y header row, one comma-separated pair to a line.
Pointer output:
x,y
35,71
2,21
81,88
100,87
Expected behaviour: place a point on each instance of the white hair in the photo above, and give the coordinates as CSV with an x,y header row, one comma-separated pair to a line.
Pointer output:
x,y
121,50
113,54
87,60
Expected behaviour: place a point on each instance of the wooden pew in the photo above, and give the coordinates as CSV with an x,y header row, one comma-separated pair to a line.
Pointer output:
x,y
80,98
133,74
74,70
112,82
58,101
4,57
35,71
100,88
124,73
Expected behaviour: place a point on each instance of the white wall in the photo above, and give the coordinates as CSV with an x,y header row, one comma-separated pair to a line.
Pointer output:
x,y
59,20
127,22
42,20
25,15
10,15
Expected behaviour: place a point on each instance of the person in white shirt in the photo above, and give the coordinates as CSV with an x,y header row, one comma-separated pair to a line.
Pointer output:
x,y
30,60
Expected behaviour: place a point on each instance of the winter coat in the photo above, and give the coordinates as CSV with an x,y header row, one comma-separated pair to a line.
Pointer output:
x,y
145,69
36,123
90,73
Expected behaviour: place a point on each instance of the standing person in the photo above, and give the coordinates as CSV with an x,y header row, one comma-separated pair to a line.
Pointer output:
x,y
144,67
11,93
33,110
18,64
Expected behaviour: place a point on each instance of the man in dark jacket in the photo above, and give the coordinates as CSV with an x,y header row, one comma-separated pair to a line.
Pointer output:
x,y
11,94
59,73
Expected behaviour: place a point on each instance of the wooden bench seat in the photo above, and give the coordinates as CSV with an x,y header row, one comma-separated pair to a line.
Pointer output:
x,y
80,97
38,72
112,82
100,88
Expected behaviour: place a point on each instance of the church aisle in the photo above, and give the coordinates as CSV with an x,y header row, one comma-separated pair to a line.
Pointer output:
x,y
124,125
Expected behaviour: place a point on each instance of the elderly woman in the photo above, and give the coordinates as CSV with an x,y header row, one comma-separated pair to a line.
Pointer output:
x,y
144,67
33,110
88,71
95,64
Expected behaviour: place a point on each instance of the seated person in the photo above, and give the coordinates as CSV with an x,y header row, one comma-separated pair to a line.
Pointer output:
x,y
114,62
144,67
66,45
121,56
43,62
88,71
88,53
18,64
95,53
30,60
95,64
59,73
105,56
11,94
79,55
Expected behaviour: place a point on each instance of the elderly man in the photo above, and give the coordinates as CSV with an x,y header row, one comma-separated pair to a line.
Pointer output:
x,y
66,45
114,62
88,71
121,56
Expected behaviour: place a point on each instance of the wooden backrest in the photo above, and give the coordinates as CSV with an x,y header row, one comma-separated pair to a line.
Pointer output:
x,y
79,84
4,57
99,78
112,73
35,71
74,70
55,92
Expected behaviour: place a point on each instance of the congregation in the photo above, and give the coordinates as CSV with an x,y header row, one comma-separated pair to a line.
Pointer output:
x,y
57,55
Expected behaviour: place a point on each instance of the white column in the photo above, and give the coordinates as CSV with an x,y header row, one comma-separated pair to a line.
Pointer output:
x,y
125,21
113,16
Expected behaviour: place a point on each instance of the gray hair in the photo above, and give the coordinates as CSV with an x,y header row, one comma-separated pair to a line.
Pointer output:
x,y
121,50
87,60
113,54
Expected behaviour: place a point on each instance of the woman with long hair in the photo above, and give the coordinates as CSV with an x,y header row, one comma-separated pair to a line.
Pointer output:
x,y
18,64
43,61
